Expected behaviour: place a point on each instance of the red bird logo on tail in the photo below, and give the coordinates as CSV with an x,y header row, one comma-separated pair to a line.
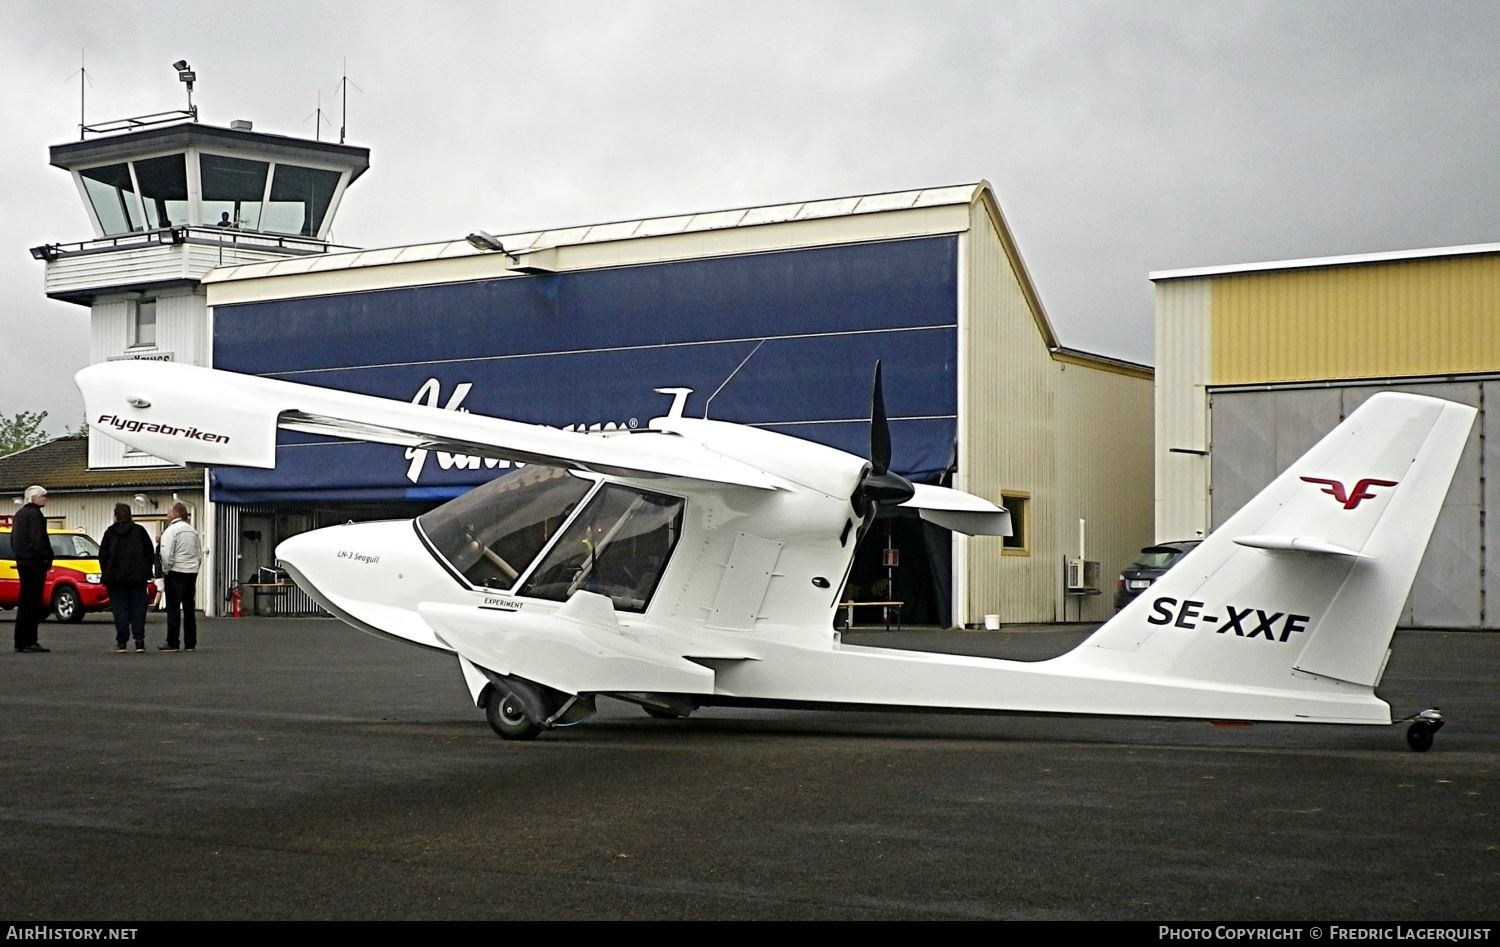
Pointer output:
x,y
1349,499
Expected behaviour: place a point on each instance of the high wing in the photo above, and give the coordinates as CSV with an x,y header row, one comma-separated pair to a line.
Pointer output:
x,y
202,417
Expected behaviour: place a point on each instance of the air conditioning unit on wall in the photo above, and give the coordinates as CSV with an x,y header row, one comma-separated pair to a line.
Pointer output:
x,y
1082,576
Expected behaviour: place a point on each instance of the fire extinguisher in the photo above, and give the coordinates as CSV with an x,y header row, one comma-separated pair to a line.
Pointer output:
x,y
236,601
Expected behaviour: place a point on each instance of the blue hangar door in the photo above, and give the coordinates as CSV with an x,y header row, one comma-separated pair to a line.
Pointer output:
x,y
588,348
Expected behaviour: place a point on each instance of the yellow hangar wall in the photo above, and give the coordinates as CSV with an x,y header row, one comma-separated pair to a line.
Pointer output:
x,y
1070,433
1373,320
1408,315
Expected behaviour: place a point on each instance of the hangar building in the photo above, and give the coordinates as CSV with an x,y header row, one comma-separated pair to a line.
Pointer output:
x,y
774,316
1256,362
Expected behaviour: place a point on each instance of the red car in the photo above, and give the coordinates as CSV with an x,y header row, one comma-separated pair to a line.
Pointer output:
x,y
73,588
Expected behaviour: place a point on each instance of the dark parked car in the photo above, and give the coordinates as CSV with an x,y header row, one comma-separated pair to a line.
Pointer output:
x,y
1148,567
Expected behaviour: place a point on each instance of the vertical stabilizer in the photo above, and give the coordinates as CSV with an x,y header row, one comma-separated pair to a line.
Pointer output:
x,y
1301,589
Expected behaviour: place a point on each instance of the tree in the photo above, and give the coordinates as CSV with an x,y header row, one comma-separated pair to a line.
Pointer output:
x,y
21,431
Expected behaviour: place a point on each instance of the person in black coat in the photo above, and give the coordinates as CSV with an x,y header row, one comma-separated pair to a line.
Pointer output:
x,y
33,552
125,559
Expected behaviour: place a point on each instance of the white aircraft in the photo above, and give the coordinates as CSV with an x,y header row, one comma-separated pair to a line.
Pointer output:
x,y
698,563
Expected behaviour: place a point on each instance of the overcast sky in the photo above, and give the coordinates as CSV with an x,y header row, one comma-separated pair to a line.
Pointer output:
x,y
1121,137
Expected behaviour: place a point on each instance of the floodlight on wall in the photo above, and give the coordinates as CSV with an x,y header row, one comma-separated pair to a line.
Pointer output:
x,y
530,262
480,240
187,77
142,500
47,252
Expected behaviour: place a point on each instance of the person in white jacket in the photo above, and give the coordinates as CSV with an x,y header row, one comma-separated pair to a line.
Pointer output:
x,y
181,556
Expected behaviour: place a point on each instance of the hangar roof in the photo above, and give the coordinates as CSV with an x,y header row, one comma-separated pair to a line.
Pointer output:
x,y
857,218
1352,259
531,241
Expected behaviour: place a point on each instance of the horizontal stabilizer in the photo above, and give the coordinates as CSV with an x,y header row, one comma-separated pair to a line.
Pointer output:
x,y
198,416
1299,544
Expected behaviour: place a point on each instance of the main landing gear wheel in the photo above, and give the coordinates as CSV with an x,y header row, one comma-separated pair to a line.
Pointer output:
x,y
507,717
1422,730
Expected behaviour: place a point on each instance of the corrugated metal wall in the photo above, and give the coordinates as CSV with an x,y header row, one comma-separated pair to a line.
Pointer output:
x,y
1076,439
94,512
1183,338
230,569
1104,435
1407,318
226,567
1259,433
1006,423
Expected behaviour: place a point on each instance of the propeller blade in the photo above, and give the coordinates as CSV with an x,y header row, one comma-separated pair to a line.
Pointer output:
x,y
879,485
880,428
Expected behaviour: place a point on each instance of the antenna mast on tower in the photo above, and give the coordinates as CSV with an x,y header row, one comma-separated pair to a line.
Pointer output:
x,y
343,87
83,81
321,120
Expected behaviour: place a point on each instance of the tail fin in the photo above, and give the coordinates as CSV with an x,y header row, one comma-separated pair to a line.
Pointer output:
x,y
1299,592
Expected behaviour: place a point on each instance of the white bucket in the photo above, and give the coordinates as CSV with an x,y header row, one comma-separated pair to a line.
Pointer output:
x,y
992,623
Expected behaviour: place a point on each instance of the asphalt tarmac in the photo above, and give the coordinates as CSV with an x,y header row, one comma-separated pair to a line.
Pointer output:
x,y
299,769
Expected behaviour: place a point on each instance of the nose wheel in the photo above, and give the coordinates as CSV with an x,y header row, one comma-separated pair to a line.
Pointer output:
x,y
1424,726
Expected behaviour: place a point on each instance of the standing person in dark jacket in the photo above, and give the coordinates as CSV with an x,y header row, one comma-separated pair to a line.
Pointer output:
x,y
125,558
33,552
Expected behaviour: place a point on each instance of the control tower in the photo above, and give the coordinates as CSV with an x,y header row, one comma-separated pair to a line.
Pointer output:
x,y
168,201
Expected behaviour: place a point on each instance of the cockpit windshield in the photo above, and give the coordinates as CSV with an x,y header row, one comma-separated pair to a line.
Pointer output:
x,y
617,545
492,533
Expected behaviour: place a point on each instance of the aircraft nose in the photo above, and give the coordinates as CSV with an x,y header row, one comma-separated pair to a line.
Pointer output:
x,y
372,575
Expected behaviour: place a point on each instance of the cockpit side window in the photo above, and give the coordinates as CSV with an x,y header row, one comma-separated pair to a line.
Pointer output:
x,y
617,546
493,532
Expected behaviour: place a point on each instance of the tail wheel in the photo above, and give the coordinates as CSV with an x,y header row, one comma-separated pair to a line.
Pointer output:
x,y
1419,736
507,717
67,605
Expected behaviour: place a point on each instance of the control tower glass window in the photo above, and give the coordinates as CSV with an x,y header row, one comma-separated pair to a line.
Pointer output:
x,y
163,183
233,191
299,199
113,195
